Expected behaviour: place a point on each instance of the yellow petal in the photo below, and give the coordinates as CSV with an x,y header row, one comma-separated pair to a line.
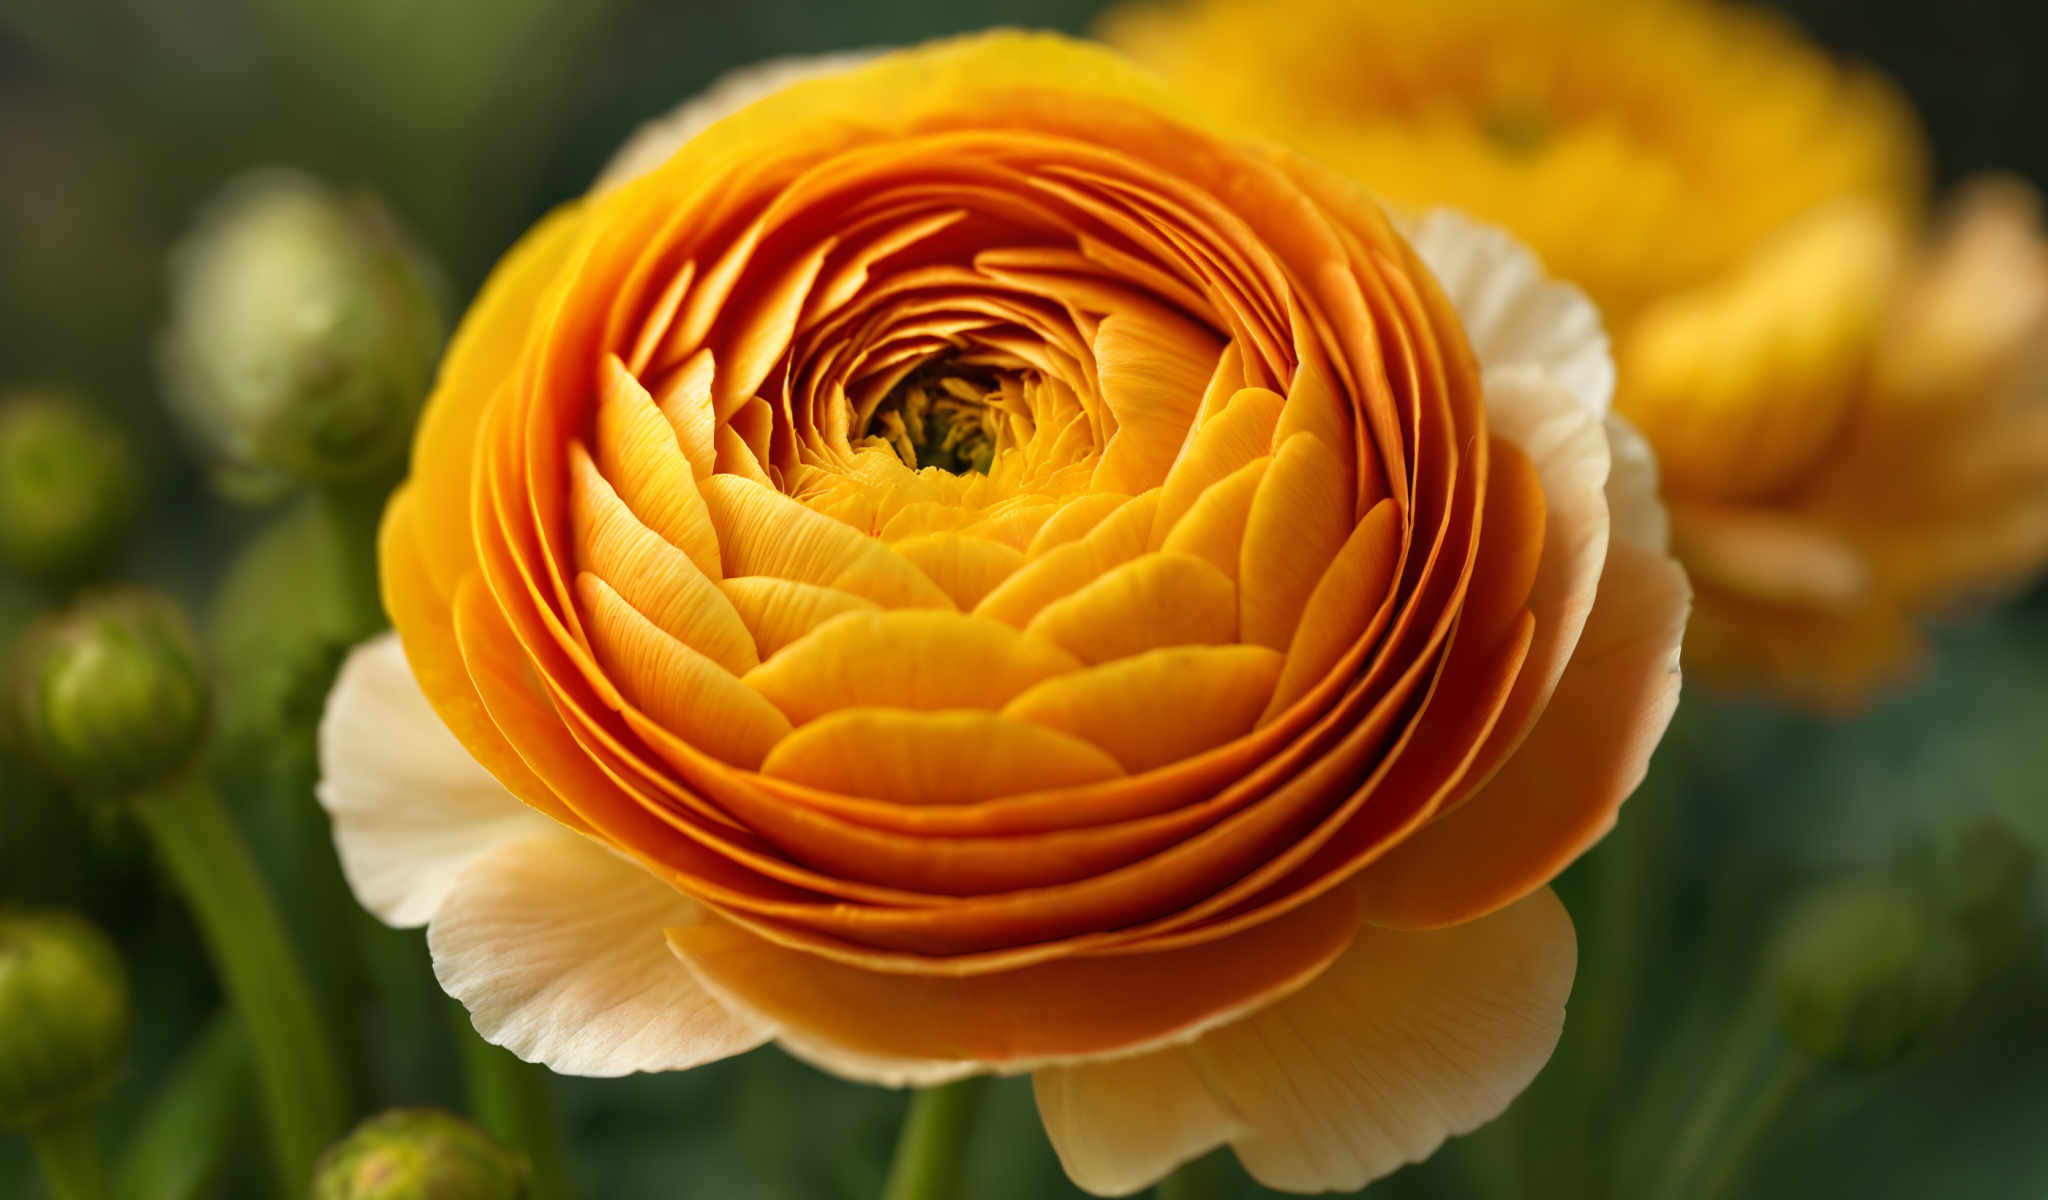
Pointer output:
x,y
907,658
779,611
1213,527
764,532
652,575
1153,367
638,452
687,693
1118,538
1240,433
1153,600
954,757
966,567
1160,706
1300,517
1350,598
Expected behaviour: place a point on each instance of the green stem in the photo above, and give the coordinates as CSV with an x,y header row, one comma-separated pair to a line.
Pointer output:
x,y
1735,1068
184,1136
514,1103
1765,1108
934,1139
295,1064
352,513
69,1156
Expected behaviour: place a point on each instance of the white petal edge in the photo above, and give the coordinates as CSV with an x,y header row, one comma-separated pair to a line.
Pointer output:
x,y
411,809
1407,1039
1635,500
1514,314
656,141
555,945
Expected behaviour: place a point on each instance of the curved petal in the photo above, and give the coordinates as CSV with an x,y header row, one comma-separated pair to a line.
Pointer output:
x,y
1514,314
1407,1039
411,809
866,1024
1561,790
555,945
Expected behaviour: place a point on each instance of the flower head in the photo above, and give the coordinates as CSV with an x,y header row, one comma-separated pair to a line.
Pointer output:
x,y
69,486
1847,421
968,570
302,336
418,1154
63,1016
112,692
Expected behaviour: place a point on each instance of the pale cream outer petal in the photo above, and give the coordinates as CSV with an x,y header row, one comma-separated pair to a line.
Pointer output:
x,y
1635,500
1514,314
656,141
555,945
411,809
1407,1039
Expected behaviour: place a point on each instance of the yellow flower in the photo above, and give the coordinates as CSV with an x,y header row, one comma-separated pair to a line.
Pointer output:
x,y
1744,210
969,570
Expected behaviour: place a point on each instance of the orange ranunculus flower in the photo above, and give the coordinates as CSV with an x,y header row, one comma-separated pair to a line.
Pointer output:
x,y
963,569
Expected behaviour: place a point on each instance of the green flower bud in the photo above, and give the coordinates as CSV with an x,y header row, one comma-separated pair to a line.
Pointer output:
x,y
418,1154
113,694
69,486
303,334
1867,973
63,1016
1981,874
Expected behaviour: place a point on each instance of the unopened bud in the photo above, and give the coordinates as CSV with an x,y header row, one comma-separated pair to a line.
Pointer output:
x,y
1867,973
303,334
1982,878
418,1154
113,695
63,1016
69,486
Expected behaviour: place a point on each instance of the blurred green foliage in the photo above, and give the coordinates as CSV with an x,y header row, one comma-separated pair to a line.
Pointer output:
x,y
472,117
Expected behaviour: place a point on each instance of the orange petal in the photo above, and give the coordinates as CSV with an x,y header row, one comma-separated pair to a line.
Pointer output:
x,y
948,757
764,532
1299,520
1159,706
1153,600
967,568
779,611
676,685
638,453
835,1014
906,658
1561,790
650,574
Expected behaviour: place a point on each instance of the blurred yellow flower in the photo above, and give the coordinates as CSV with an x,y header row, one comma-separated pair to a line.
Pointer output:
x,y
1745,210
969,570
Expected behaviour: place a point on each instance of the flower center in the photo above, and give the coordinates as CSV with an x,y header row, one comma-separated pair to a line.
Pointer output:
x,y
941,415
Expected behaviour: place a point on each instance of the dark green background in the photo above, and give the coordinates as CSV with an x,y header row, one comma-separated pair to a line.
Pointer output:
x,y
472,117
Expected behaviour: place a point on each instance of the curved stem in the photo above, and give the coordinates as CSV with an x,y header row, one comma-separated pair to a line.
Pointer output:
x,y
1767,1105
511,1100
183,1137
352,512
69,1157
933,1141
295,1064
1751,1040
